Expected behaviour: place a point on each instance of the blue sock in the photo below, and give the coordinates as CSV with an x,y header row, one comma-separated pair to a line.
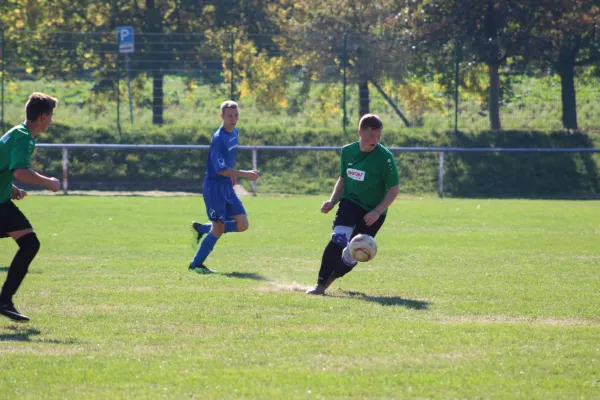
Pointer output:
x,y
231,226
205,228
207,245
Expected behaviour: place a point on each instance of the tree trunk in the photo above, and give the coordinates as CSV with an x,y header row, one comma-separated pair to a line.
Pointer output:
x,y
363,97
494,98
568,94
157,97
154,21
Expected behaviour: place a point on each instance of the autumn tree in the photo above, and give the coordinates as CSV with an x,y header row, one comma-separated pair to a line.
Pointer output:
x,y
329,35
567,36
61,38
488,32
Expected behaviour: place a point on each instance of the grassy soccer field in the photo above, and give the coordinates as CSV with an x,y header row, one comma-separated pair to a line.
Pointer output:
x,y
465,299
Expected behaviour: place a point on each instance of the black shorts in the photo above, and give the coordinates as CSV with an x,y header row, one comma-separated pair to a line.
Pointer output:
x,y
352,215
11,219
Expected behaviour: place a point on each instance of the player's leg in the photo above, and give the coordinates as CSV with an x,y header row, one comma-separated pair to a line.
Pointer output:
x,y
348,262
238,223
346,218
199,229
237,219
16,225
206,247
216,211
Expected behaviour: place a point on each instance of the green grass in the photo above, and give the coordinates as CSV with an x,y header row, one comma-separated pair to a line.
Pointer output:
x,y
533,104
465,299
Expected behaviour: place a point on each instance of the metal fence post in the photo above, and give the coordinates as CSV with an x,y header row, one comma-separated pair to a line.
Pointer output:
x,y
255,167
118,95
232,96
441,176
344,82
457,45
129,88
65,170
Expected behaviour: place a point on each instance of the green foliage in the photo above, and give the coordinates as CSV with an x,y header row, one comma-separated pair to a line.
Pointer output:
x,y
553,175
258,76
84,116
294,172
416,99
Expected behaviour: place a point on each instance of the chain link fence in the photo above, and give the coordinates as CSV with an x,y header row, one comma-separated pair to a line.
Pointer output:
x,y
318,81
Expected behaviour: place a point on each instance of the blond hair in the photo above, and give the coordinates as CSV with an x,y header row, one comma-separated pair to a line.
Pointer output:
x,y
228,104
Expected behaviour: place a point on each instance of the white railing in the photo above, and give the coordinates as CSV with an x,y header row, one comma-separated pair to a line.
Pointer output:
x,y
440,150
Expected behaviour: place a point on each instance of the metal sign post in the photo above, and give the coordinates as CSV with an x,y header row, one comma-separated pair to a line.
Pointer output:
x,y
126,46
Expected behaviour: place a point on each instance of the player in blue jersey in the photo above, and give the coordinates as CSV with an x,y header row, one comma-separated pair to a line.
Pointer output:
x,y
223,207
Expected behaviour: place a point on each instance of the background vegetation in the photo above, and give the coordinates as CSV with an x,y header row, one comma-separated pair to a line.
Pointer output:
x,y
443,73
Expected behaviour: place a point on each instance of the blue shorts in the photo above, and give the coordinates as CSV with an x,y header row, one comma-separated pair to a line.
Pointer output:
x,y
220,200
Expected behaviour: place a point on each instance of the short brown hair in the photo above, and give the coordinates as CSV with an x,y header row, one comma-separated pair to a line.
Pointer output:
x,y
39,104
370,121
228,104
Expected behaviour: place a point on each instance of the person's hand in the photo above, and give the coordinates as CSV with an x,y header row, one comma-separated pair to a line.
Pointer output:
x,y
53,184
252,175
18,194
327,206
371,217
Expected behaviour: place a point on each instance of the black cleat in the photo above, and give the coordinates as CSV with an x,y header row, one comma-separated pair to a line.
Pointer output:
x,y
9,311
196,234
202,269
318,290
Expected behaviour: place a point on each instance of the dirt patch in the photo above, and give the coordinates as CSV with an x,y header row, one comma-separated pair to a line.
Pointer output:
x,y
293,287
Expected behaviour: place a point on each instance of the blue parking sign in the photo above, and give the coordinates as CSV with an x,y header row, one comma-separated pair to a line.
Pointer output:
x,y
125,39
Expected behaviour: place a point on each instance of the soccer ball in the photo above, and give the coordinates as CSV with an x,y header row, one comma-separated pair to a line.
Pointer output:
x,y
363,247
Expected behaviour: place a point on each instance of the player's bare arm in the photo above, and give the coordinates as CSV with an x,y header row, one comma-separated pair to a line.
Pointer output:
x,y
251,175
387,201
17,194
338,191
30,176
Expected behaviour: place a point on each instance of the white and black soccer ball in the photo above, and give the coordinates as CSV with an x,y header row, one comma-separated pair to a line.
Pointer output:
x,y
363,247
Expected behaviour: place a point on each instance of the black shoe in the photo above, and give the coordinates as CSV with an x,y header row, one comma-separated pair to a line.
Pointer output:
x,y
318,290
9,311
202,269
196,234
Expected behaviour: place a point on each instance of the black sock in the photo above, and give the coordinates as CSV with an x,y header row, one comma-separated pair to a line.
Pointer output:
x,y
28,248
332,256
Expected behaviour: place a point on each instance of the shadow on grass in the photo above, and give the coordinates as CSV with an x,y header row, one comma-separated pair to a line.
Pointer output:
x,y
245,275
387,300
3,269
21,334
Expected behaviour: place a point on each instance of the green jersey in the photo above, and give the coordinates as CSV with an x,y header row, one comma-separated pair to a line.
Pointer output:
x,y
16,147
367,176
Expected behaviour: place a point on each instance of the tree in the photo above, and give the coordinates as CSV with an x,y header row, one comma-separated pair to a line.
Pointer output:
x,y
566,36
64,38
487,31
328,35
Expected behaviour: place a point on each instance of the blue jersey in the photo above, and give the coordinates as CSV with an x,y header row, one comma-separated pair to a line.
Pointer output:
x,y
222,154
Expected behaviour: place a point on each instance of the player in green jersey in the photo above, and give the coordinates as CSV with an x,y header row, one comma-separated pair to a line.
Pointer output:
x,y
368,184
16,147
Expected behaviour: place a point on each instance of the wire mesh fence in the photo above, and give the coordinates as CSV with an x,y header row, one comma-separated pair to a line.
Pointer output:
x,y
283,82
